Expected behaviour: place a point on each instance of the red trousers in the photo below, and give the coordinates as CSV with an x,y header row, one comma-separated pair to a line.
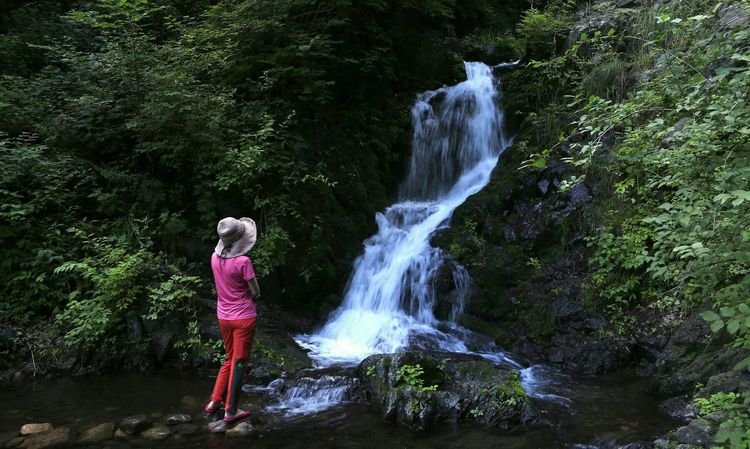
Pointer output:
x,y
238,339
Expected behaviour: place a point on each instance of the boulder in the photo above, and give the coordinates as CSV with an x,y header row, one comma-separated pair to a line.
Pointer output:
x,y
98,434
699,432
32,428
178,418
134,424
56,437
156,433
418,390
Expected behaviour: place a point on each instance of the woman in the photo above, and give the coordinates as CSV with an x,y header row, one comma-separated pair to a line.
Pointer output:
x,y
237,288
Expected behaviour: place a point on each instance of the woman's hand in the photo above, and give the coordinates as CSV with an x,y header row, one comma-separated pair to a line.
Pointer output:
x,y
254,288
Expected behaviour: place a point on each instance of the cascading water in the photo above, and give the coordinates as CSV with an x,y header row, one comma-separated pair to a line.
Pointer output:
x,y
388,305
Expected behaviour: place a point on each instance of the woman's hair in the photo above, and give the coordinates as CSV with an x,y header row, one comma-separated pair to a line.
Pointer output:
x,y
224,250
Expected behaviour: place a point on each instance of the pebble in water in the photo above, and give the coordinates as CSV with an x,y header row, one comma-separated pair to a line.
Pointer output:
x,y
58,436
134,424
178,418
32,428
157,433
240,430
15,442
217,426
98,434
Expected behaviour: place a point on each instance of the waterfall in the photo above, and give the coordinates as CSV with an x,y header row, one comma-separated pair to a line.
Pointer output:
x,y
388,304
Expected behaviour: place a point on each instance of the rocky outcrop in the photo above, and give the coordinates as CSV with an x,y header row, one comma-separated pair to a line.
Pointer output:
x,y
419,390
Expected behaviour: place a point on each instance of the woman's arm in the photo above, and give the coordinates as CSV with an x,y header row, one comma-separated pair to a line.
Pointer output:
x,y
254,288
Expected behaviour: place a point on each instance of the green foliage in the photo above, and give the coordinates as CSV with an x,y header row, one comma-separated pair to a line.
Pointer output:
x,y
674,197
540,32
413,375
177,114
734,430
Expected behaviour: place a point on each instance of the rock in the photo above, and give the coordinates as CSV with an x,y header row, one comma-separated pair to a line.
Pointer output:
x,y
731,381
32,428
156,433
240,430
699,432
178,418
661,443
15,442
217,426
59,436
98,434
733,16
134,424
636,445
7,436
17,376
186,429
678,407
450,388
135,329
120,435
687,446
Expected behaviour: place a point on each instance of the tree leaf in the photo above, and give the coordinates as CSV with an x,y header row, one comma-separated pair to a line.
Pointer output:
x,y
710,316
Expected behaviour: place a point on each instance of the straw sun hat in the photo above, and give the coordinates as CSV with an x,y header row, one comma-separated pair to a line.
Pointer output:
x,y
236,237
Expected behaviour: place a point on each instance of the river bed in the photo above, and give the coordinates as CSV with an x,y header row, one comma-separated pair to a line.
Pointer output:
x,y
603,412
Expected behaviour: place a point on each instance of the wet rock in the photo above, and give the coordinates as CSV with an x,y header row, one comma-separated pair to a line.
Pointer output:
x,y
678,407
186,429
59,436
178,418
97,434
32,428
120,435
699,432
7,436
134,424
240,430
156,433
15,442
217,426
447,388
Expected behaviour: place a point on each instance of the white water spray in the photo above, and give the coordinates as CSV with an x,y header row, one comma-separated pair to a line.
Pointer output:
x,y
388,304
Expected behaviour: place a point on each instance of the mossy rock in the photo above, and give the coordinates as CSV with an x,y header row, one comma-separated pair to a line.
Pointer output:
x,y
419,390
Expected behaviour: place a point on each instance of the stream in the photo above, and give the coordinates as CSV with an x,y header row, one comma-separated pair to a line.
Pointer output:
x,y
606,411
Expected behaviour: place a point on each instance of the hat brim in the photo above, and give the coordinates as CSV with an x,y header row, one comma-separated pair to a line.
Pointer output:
x,y
244,244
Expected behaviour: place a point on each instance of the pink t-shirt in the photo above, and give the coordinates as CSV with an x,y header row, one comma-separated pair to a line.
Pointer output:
x,y
231,276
